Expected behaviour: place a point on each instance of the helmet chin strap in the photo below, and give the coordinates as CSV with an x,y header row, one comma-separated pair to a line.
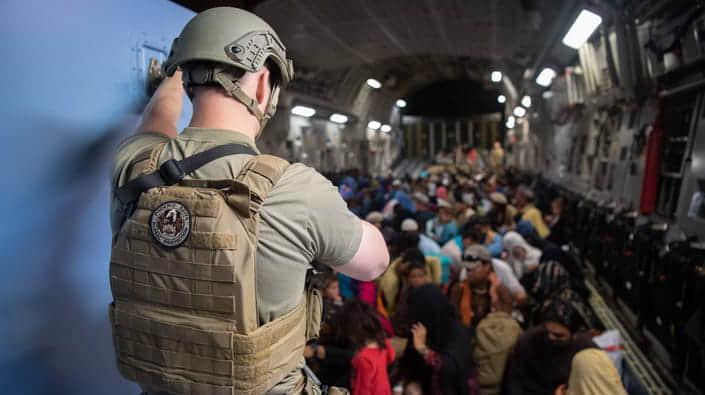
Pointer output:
x,y
232,87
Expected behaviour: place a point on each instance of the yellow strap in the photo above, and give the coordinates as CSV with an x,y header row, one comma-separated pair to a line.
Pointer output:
x,y
154,158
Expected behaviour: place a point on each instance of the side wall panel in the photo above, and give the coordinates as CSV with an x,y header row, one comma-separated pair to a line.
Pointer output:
x,y
72,80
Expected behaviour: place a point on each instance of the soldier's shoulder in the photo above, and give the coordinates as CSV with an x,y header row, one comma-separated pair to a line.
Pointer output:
x,y
302,175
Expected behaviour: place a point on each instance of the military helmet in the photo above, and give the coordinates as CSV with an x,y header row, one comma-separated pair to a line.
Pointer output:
x,y
229,36
218,43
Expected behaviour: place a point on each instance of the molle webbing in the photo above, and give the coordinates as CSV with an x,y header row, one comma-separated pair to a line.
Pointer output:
x,y
185,318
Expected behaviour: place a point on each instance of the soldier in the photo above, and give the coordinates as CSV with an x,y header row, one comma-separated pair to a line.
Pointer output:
x,y
213,241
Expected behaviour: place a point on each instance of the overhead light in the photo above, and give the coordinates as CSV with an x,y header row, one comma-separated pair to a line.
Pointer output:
x,y
519,111
338,118
582,29
496,76
547,94
373,83
526,101
303,111
501,99
374,125
401,103
386,128
546,76
511,122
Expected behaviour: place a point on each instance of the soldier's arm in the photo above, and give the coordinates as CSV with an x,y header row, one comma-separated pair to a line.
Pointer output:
x,y
164,108
371,258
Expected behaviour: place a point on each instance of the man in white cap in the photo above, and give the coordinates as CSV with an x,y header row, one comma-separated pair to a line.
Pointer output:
x,y
426,244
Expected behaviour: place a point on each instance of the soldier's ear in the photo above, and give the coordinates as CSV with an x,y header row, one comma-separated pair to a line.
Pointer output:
x,y
263,88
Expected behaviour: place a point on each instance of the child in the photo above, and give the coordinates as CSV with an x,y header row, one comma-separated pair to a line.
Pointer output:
x,y
373,353
415,275
329,286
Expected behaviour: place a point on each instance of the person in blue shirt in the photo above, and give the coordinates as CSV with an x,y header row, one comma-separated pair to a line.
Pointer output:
x,y
491,239
428,247
442,228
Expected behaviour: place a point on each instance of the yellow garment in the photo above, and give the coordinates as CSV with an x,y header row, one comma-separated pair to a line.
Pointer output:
x,y
593,373
494,339
533,215
389,283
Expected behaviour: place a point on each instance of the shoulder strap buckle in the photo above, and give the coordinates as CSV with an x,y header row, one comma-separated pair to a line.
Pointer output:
x,y
171,172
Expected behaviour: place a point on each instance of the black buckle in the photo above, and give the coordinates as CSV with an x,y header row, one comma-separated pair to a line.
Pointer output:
x,y
171,172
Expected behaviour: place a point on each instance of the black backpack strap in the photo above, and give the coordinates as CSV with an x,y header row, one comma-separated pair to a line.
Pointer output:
x,y
173,171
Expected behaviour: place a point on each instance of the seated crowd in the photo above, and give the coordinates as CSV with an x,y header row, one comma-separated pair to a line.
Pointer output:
x,y
482,295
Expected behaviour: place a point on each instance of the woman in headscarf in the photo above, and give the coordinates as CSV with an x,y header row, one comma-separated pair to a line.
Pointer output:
x,y
437,356
502,214
522,257
592,373
540,360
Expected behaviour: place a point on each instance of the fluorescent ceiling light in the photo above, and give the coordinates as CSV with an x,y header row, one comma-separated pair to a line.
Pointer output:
x,y
374,125
519,111
582,29
526,101
373,83
303,111
338,118
386,128
401,103
546,76
501,99
496,76
547,94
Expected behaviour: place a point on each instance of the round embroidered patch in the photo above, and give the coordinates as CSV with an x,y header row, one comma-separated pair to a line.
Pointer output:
x,y
170,224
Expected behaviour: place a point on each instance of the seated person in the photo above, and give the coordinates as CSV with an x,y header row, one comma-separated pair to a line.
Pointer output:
x,y
471,236
540,360
443,227
525,204
501,215
437,359
416,275
592,372
490,239
477,288
391,282
327,283
495,337
521,256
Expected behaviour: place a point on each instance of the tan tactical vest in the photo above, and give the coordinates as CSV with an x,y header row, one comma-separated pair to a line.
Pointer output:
x,y
182,273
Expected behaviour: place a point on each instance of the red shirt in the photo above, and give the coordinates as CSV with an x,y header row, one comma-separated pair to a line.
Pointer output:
x,y
370,371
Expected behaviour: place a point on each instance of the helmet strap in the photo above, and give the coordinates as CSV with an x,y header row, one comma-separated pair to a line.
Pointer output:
x,y
234,90
204,75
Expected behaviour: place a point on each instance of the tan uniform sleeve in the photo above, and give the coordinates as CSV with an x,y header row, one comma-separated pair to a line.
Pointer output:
x,y
128,150
126,153
305,212
335,231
